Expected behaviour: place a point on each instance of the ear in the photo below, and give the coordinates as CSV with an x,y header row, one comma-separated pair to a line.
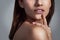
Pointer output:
x,y
20,3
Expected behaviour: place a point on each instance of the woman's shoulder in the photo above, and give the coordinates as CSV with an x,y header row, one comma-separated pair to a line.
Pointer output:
x,y
22,31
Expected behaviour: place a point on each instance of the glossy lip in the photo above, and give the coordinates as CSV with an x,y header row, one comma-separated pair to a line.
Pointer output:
x,y
39,11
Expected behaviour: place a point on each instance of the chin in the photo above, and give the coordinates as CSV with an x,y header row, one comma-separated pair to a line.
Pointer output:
x,y
37,18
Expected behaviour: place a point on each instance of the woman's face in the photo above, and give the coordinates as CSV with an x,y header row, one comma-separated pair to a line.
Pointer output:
x,y
35,8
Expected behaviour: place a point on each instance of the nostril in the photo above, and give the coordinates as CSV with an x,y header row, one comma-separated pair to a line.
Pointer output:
x,y
37,3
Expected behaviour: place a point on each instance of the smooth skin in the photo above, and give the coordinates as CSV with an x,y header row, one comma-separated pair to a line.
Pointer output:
x,y
35,26
31,5
33,32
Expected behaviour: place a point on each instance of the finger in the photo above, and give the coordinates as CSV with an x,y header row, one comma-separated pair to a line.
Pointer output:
x,y
44,20
36,23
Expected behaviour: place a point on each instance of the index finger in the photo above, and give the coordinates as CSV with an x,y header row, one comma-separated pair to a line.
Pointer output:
x,y
44,20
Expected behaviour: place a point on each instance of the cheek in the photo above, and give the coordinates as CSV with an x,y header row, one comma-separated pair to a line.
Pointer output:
x,y
29,3
47,5
46,12
47,2
29,6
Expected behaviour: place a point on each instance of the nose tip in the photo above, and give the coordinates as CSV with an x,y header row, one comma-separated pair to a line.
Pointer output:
x,y
38,3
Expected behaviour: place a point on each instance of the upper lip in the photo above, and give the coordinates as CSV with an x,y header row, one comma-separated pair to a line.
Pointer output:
x,y
39,9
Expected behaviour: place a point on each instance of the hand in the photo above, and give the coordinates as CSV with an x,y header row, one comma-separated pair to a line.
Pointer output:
x,y
26,29
45,26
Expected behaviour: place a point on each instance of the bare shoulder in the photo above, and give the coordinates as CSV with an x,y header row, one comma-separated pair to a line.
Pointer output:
x,y
27,30
22,31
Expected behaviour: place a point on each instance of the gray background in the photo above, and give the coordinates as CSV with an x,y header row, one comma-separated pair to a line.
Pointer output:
x,y
6,16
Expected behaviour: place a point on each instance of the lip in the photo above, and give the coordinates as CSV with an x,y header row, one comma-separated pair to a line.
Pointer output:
x,y
39,11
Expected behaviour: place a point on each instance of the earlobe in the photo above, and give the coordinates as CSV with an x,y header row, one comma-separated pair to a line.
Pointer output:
x,y
20,3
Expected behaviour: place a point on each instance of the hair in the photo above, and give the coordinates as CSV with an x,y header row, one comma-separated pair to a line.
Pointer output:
x,y
19,17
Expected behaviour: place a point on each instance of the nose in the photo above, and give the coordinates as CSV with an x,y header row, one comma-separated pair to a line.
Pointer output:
x,y
38,3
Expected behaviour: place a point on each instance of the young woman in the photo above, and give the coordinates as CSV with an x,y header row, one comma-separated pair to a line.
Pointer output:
x,y
31,20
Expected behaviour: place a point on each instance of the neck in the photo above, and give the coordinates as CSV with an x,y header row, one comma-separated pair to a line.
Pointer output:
x,y
30,20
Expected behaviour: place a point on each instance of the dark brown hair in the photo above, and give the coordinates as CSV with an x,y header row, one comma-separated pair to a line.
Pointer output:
x,y
19,17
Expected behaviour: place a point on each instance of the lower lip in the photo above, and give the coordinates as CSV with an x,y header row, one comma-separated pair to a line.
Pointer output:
x,y
39,12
